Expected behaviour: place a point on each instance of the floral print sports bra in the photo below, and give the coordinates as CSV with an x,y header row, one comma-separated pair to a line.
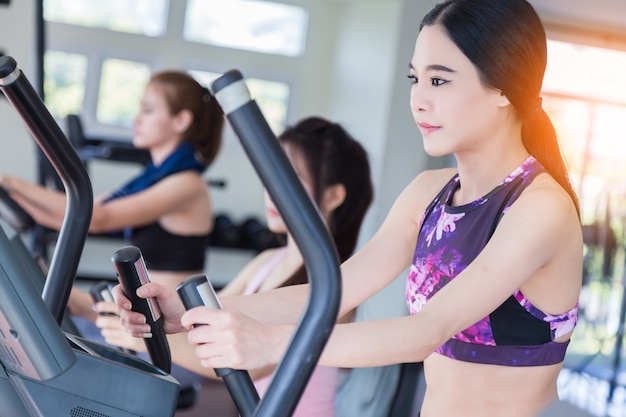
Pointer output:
x,y
516,333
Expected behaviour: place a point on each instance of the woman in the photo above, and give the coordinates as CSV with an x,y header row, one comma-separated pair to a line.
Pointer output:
x,y
494,245
317,150
166,210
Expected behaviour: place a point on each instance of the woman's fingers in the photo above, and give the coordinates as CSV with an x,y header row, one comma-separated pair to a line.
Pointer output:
x,y
226,339
115,333
169,303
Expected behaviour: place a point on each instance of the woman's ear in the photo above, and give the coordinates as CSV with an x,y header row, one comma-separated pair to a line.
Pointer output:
x,y
183,120
333,197
503,100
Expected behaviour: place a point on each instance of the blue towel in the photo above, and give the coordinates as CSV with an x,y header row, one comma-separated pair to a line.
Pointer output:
x,y
182,159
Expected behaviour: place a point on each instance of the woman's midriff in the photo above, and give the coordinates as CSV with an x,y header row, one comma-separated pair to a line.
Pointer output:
x,y
464,389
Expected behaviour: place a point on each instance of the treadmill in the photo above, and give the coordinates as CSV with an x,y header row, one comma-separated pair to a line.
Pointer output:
x,y
48,372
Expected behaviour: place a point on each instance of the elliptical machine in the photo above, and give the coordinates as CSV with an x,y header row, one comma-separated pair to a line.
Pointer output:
x,y
48,372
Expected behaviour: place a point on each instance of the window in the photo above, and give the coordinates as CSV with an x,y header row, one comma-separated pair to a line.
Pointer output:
x,y
245,24
142,17
585,71
64,82
121,87
271,96
584,92
101,54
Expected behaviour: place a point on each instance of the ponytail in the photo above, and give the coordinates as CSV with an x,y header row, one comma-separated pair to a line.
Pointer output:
x,y
539,138
206,132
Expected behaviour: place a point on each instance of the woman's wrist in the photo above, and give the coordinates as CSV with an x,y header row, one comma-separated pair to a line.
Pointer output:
x,y
80,304
281,337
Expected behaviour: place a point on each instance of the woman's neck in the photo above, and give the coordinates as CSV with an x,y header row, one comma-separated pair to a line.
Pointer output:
x,y
294,256
158,154
478,176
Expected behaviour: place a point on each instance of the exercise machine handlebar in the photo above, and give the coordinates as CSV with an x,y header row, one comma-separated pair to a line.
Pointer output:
x,y
66,162
132,273
197,291
308,229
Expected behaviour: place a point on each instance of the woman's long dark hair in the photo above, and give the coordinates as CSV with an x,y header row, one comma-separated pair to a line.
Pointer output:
x,y
506,42
333,157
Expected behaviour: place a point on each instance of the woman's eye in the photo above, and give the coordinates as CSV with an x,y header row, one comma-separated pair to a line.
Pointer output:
x,y
437,82
413,78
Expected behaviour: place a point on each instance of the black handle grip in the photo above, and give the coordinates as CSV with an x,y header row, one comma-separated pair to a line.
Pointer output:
x,y
197,291
132,273
101,291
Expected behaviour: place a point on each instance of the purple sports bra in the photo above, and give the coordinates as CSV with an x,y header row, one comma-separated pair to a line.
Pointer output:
x,y
516,333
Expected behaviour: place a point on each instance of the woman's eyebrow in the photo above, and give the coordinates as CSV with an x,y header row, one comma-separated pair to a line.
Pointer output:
x,y
434,67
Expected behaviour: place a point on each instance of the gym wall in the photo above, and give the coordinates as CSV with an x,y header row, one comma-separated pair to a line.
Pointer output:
x,y
17,39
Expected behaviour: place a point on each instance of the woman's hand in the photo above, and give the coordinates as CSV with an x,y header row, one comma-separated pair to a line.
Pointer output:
x,y
112,330
227,339
135,323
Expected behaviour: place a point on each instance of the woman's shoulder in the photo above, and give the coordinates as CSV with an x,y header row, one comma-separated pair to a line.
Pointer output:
x,y
435,179
546,192
546,205
271,253
416,197
183,182
427,184
186,175
262,259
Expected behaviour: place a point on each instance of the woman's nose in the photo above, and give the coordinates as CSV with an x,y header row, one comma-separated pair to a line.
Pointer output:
x,y
418,98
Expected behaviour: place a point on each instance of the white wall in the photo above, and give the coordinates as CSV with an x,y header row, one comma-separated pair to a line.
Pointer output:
x,y
17,39
361,96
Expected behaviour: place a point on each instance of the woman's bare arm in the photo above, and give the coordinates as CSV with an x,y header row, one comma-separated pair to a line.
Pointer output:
x,y
538,240
174,193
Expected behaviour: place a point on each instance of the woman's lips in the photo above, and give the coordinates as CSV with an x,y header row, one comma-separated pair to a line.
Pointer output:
x,y
427,128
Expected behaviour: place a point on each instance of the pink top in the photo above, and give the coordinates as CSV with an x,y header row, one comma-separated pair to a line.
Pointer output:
x,y
318,398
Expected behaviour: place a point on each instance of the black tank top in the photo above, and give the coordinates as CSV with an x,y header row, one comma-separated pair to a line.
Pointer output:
x,y
164,251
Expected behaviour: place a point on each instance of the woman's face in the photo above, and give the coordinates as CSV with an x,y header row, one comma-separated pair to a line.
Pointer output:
x,y
274,220
154,125
453,109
